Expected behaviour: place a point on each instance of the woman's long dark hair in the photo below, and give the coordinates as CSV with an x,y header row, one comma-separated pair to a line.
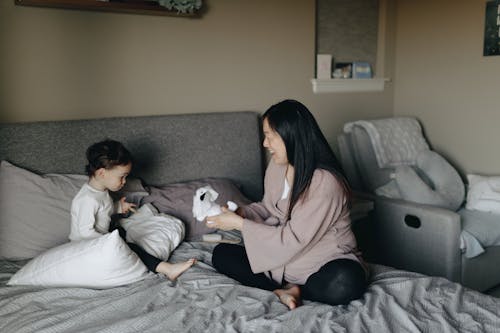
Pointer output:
x,y
306,146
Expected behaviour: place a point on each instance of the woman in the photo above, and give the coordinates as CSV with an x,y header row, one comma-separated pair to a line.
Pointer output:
x,y
298,239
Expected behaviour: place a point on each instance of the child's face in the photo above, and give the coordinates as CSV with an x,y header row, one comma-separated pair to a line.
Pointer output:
x,y
115,178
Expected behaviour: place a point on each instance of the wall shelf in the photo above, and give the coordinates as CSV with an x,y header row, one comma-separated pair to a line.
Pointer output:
x,y
348,85
125,6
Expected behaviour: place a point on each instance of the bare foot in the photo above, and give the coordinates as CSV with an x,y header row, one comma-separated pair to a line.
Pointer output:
x,y
172,271
290,296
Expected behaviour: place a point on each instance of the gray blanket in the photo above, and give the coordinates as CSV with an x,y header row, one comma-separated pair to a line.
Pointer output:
x,y
203,300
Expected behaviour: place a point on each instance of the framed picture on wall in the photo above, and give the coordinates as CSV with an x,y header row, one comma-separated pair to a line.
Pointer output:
x,y
492,29
343,70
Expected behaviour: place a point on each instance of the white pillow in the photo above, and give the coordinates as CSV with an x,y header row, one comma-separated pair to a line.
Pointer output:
x,y
483,193
103,262
157,233
34,210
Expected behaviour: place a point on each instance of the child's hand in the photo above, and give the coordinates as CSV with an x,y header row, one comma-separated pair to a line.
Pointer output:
x,y
127,206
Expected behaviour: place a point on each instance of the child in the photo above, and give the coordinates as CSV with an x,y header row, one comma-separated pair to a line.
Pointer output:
x,y
109,164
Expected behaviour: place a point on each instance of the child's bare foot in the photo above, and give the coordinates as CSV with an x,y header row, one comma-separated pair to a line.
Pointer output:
x,y
290,296
172,271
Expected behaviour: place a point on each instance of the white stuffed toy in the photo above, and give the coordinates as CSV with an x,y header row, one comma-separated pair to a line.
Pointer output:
x,y
204,203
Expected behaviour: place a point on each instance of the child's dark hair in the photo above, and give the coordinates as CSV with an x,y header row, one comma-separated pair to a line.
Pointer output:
x,y
106,154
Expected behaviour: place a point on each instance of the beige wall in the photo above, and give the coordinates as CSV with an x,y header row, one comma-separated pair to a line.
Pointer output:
x,y
444,80
241,55
246,55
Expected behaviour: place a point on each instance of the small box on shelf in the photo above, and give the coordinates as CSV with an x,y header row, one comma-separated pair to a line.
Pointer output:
x,y
361,70
324,66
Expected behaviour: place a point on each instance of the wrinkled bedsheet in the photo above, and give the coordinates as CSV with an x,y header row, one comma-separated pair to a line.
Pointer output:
x,y
202,300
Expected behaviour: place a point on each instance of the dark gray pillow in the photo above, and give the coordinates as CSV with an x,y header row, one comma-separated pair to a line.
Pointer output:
x,y
177,200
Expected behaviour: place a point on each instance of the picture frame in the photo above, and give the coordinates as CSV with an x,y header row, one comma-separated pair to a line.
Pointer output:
x,y
343,70
492,29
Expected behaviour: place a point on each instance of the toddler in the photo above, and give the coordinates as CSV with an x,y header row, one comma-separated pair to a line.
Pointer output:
x,y
109,164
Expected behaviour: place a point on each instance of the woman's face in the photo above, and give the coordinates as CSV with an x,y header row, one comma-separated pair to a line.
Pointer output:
x,y
274,144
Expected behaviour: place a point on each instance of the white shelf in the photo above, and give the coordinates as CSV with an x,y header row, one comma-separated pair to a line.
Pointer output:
x,y
348,85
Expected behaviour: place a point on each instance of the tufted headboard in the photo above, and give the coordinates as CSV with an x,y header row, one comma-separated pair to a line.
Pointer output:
x,y
166,149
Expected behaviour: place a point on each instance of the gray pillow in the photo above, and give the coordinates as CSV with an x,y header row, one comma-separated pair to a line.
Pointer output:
x,y
432,181
177,200
34,210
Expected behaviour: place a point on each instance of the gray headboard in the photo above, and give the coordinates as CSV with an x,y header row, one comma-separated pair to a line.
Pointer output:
x,y
166,149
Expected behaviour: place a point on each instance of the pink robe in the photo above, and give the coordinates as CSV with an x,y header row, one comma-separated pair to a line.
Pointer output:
x,y
319,229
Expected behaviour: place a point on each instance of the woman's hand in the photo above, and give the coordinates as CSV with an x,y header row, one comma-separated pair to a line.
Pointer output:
x,y
227,220
126,206
239,211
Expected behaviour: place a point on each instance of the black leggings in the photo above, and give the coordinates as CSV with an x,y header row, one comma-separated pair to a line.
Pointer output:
x,y
150,261
337,282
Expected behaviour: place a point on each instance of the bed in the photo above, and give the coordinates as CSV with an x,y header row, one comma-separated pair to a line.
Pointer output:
x,y
172,151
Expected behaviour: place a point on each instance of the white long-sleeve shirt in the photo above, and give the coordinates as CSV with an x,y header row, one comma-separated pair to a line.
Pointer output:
x,y
91,212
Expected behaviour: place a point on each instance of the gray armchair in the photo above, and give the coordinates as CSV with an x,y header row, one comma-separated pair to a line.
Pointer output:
x,y
417,225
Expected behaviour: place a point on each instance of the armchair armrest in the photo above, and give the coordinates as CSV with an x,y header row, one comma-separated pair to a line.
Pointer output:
x,y
417,237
